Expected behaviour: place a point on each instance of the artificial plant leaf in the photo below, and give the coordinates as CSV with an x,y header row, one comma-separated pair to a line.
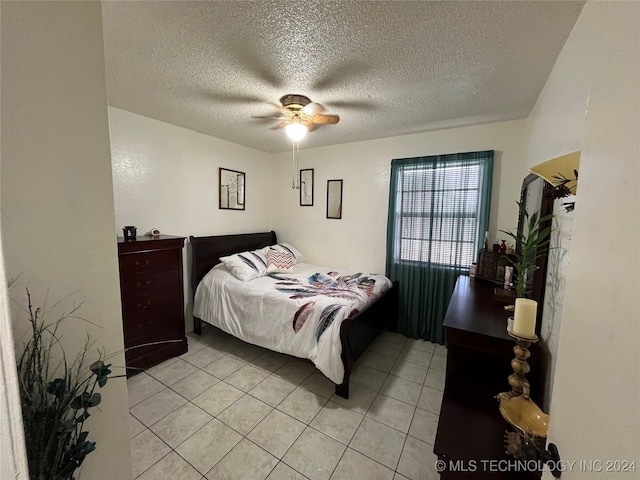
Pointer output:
x,y
66,426
89,447
544,234
511,234
97,366
523,209
57,387
96,398
80,401
533,220
100,369
82,417
86,400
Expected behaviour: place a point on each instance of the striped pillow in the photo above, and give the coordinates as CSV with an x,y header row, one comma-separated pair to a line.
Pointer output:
x,y
279,262
286,248
246,266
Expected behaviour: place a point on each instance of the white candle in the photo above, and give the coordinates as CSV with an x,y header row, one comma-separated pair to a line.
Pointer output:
x,y
524,322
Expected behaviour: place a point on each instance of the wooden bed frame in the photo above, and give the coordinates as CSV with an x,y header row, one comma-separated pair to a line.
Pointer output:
x,y
356,333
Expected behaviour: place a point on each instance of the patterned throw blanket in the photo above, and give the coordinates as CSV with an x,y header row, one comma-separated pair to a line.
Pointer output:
x,y
353,288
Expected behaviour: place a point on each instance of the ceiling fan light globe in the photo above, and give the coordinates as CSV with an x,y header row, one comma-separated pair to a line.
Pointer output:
x,y
296,131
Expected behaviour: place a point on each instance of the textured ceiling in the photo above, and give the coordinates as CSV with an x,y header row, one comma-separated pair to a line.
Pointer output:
x,y
386,68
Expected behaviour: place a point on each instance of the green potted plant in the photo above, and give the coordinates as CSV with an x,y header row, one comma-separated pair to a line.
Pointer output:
x,y
531,243
56,394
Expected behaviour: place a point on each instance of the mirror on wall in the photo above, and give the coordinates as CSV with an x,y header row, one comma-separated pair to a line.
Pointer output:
x,y
306,187
536,196
231,189
334,198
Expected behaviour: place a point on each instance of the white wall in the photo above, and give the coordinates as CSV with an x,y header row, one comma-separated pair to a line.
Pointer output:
x,y
166,176
56,192
358,240
591,103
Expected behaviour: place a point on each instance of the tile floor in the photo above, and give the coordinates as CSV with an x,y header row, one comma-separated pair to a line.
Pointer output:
x,y
230,410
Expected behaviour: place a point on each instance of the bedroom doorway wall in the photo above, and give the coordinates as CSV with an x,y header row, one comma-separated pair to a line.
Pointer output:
x,y
57,194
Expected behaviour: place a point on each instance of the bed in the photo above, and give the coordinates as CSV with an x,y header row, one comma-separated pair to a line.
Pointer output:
x,y
350,337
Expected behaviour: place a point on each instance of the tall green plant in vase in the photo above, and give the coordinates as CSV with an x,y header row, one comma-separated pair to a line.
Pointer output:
x,y
532,241
56,395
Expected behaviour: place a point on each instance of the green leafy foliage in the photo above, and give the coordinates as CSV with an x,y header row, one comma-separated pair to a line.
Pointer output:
x,y
54,410
531,243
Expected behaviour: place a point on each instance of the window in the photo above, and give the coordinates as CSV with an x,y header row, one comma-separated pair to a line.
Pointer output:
x,y
438,213
437,210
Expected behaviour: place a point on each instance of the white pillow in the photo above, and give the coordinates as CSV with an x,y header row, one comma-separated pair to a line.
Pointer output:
x,y
246,266
286,248
279,262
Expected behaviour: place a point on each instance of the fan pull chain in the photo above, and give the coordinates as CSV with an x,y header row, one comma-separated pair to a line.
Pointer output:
x,y
295,166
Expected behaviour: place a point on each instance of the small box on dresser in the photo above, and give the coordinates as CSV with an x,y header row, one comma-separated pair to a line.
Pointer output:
x,y
491,266
151,291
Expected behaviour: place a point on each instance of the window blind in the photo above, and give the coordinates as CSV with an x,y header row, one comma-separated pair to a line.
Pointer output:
x,y
437,213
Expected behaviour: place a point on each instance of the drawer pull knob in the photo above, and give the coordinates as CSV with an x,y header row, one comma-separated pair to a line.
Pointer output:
x,y
145,305
141,285
142,264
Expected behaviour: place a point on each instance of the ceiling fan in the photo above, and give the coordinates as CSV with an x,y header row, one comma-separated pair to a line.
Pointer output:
x,y
299,115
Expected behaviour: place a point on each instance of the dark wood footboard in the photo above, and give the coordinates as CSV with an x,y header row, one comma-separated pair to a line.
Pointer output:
x,y
356,334
359,332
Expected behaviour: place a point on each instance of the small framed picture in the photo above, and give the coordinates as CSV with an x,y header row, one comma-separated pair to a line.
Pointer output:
x,y
231,189
306,187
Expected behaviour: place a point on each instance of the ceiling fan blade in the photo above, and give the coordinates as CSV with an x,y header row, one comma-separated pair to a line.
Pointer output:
x,y
310,126
280,125
313,108
281,109
321,119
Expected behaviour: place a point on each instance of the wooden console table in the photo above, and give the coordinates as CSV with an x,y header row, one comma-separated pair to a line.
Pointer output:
x,y
470,436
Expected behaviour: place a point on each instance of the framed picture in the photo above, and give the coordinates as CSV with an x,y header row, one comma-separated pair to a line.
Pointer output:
x,y
334,198
306,187
231,189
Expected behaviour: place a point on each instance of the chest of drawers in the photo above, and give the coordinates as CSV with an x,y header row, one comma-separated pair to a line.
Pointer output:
x,y
152,297
470,435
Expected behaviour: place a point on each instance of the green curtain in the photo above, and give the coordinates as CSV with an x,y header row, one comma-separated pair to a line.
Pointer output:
x,y
438,215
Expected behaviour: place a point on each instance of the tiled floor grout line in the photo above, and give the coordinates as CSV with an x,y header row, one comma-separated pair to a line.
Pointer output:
x,y
378,393
404,443
148,427
172,449
216,417
244,437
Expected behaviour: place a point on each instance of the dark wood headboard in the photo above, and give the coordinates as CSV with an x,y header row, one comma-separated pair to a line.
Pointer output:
x,y
206,251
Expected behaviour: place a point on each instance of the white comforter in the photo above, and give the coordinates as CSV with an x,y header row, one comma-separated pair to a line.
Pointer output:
x,y
298,314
